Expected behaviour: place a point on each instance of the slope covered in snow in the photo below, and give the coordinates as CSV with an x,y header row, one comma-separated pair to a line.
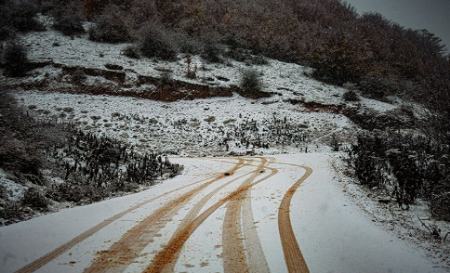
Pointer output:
x,y
232,226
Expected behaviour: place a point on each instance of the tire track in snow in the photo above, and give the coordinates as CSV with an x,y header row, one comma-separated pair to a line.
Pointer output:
x,y
45,259
242,251
294,259
123,252
166,255
170,267
255,254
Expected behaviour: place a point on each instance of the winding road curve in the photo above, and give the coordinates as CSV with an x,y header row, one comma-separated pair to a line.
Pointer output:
x,y
231,190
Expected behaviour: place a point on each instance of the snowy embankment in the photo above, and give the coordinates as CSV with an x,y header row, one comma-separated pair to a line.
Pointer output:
x,y
333,233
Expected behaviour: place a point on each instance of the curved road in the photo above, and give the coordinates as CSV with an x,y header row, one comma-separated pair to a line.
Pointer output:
x,y
196,202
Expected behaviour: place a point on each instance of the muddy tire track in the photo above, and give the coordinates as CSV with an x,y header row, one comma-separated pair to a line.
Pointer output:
x,y
170,267
255,255
295,261
167,255
43,260
235,256
123,252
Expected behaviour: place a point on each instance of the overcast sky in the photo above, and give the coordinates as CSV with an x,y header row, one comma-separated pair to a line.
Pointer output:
x,y
433,15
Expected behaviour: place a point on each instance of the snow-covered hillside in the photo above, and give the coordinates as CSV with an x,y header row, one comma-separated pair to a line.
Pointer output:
x,y
304,123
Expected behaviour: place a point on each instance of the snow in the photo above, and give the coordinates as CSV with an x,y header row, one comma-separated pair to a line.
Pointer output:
x,y
335,234
339,228
404,224
288,80
183,126
14,191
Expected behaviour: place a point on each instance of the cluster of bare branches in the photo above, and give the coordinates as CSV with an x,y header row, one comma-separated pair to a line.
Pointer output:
x,y
408,166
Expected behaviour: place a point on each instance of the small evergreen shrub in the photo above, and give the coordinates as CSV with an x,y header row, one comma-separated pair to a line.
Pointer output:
x,y
35,199
250,81
15,59
211,53
350,96
69,24
109,28
20,15
190,46
131,52
156,43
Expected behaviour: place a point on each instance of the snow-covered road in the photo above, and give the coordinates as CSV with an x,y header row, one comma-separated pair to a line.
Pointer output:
x,y
250,214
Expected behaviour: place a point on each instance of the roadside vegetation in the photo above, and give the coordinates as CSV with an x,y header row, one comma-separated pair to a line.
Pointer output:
x,y
55,164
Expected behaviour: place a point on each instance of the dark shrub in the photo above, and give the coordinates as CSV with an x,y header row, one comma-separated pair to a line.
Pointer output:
x,y
69,24
7,33
16,158
20,14
211,53
34,198
350,96
376,87
440,200
109,28
339,61
406,166
258,60
78,76
15,59
250,81
131,52
165,79
190,45
156,43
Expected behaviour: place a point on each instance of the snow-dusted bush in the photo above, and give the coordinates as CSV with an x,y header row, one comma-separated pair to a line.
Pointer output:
x,y
131,52
20,15
190,45
350,95
91,167
69,24
212,53
407,166
34,198
157,43
15,59
251,81
110,28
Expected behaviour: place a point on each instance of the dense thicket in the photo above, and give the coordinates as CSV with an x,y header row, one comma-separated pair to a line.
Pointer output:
x,y
407,166
18,15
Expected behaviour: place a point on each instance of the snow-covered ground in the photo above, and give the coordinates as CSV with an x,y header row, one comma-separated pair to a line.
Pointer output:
x,y
415,225
192,127
333,233
338,227
286,80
